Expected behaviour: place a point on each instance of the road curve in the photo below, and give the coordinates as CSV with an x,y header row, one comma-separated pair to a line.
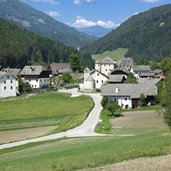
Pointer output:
x,y
84,130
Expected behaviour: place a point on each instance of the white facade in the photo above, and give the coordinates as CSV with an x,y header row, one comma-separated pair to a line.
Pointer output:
x,y
38,83
7,86
104,68
99,78
92,80
124,101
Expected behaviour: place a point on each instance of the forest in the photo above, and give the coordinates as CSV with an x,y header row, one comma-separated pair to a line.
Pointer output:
x,y
146,35
19,47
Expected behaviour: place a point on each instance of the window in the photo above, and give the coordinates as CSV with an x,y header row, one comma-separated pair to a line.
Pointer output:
x,y
5,88
45,80
125,99
102,81
36,80
97,81
35,86
106,69
11,87
97,74
40,80
4,82
11,81
7,76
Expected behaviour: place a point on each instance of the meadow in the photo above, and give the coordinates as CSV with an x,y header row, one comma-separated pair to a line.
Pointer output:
x,y
73,154
43,110
115,54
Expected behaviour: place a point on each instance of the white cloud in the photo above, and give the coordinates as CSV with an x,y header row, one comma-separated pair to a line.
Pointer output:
x,y
53,13
81,22
51,2
150,1
83,1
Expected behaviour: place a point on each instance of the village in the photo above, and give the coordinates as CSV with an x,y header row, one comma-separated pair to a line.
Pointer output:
x,y
121,81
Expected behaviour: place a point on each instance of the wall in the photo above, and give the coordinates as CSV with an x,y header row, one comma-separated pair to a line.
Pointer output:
x,y
123,101
7,86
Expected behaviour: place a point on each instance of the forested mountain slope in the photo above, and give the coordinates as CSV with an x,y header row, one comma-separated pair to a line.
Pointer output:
x,y
146,35
25,16
19,47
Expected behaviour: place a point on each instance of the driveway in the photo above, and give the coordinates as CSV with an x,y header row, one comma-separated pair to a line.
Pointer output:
x,y
84,130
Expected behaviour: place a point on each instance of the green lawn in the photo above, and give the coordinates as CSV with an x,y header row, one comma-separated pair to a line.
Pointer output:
x,y
115,54
75,154
44,109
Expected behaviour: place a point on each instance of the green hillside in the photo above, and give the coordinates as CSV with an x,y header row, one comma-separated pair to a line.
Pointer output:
x,y
19,47
115,54
146,35
29,18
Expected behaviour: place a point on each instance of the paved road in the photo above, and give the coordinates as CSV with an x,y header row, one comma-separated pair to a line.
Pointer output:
x,y
84,130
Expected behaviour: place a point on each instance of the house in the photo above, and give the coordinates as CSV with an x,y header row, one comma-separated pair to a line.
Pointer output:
x,y
59,68
36,76
92,80
128,95
7,85
125,63
141,71
14,72
105,66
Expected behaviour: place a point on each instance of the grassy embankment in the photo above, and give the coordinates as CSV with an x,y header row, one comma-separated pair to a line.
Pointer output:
x,y
84,153
115,54
44,110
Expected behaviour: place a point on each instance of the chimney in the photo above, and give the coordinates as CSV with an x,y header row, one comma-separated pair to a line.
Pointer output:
x,y
31,69
116,90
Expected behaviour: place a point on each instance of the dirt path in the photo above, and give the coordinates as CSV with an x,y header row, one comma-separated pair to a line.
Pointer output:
x,y
161,163
22,134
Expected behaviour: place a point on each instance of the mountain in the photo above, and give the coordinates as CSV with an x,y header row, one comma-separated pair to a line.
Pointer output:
x,y
146,35
27,17
97,31
20,47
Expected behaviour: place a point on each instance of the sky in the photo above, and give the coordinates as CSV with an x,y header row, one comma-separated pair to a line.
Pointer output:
x,y
86,13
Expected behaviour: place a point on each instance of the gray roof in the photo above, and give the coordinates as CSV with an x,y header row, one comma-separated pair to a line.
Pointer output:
x,y
147,74
157,71
132,90
125,63
13,71
4,74
32,70
142,68
147,82
106,60
60,68
115,78
91,72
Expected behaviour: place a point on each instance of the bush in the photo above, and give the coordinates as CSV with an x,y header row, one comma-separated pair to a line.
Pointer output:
x,y
67,78
25,88
111,106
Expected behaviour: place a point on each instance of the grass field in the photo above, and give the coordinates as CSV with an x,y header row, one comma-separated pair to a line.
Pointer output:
x,y
75,154
44,109
115,54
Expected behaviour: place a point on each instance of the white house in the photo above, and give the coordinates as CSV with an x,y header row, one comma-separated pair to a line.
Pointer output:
x,y
36,76
105,66
7,85
128,95
92,80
